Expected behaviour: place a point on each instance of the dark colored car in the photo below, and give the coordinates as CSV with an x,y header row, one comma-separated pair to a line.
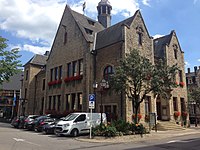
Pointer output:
x,y
44,122
29,122
17,122
50,126
39,122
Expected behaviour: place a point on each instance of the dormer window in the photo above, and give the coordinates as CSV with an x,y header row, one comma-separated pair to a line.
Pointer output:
x,y
91,22
88,31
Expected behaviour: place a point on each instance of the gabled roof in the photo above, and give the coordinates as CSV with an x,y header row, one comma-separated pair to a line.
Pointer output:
x,y
159,43
112,34
37,60
14,82
86,24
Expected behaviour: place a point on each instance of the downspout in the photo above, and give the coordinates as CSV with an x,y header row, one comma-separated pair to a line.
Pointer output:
x,y
35,95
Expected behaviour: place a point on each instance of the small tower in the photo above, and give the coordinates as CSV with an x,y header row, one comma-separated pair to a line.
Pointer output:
x,y
104,10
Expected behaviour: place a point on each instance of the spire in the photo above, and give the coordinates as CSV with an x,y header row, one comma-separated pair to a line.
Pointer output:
x,y
104,13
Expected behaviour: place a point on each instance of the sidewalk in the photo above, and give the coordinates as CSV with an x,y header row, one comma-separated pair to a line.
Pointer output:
x,y
135,138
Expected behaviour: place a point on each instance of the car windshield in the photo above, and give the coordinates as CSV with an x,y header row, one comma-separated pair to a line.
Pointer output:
x,y
70,117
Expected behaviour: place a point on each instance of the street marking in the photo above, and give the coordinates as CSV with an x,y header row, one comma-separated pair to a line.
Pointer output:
x,y
22,140
18,140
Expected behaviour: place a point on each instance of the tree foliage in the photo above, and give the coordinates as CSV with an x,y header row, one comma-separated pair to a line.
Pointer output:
x,y
194,95
137,77
9,63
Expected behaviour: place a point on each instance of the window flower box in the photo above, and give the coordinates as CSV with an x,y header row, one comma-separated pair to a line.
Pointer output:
x,y
73,78
55,82
177,114
182,84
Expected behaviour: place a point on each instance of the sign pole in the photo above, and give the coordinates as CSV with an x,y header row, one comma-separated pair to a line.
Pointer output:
x,y
91,124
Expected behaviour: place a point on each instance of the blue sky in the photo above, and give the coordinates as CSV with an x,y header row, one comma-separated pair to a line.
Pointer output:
x,y
31,25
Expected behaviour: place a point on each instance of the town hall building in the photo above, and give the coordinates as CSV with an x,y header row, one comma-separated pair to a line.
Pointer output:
x,y
83,55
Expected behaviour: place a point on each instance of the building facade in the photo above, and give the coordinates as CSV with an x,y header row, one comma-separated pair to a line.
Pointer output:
x,y
85,52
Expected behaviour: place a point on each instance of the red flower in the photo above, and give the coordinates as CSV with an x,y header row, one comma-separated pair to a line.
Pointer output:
x,y
181,84
138,115
177,113
73,78
54,82
184,114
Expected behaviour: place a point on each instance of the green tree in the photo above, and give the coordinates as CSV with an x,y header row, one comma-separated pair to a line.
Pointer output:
x,y
194,95
137,77
9,63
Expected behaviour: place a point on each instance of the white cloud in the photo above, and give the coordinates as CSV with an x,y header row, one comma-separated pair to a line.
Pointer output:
x,y
198,60
157,36
146,2
38,20
187,64
195,1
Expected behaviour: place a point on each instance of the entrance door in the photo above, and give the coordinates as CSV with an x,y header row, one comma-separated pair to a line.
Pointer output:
x,y
158,109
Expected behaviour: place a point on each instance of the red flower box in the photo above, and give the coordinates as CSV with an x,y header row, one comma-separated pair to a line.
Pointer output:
x,y
73,78
177,113
138,115
54,82
181,84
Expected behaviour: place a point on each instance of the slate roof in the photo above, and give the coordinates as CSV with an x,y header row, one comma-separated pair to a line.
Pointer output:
x,y
159,43
38,60
112,34
14,83
84,24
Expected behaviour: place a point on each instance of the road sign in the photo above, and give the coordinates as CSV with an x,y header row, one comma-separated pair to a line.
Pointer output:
x,y
91,104
92,97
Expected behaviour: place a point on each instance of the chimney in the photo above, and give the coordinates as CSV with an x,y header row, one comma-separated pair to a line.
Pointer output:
x,y
188,70
195,69
46,53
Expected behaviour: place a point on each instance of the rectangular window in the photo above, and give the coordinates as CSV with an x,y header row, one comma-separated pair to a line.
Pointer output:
x,y
67,101
73,107
175,103
147,105
43,84
80,101
51,75
60,73
58,106
65,37
80,66
54,102
183,108
74,68
69,68
56,73
140,38
175,53
49,103
180,76
26,74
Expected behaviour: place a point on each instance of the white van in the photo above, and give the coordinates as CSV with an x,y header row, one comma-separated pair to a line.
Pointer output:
x,y
78,123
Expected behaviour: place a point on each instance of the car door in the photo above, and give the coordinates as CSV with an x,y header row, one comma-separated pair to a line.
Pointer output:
x,y
81,123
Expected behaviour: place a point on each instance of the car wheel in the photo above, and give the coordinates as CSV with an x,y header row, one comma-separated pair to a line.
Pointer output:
x,y
74,133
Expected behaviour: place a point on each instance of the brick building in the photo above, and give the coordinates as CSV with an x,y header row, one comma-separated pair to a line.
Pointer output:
x,y
86,51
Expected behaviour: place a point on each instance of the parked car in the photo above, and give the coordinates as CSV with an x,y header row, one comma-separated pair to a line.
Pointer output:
x,y
78,123
49,127
44,122
39,122
17,122
29,122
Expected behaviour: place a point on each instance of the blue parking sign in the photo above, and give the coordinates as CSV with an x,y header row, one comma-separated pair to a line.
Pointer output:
x,y
92,97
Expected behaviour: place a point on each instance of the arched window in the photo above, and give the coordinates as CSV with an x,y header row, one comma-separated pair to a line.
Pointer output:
x,y
107,72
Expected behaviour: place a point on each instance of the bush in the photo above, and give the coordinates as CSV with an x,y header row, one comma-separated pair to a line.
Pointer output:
x,y
138,129
122,126
110,131
102,130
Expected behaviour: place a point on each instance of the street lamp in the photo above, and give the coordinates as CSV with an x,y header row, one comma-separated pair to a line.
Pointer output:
x,y
95,86
104,84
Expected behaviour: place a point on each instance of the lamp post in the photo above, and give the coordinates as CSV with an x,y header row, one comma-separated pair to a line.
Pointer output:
x,y
95,86
103,84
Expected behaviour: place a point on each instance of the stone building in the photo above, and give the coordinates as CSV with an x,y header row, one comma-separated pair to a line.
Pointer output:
x,y
193,82
85,52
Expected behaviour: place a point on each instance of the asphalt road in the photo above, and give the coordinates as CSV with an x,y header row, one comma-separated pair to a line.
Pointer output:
x,y
17,139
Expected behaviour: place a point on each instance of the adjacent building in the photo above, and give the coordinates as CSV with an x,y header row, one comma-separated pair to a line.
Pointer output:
x,y
83,55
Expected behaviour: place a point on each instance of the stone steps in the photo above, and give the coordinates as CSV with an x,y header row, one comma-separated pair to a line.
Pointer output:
x,y
168,125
